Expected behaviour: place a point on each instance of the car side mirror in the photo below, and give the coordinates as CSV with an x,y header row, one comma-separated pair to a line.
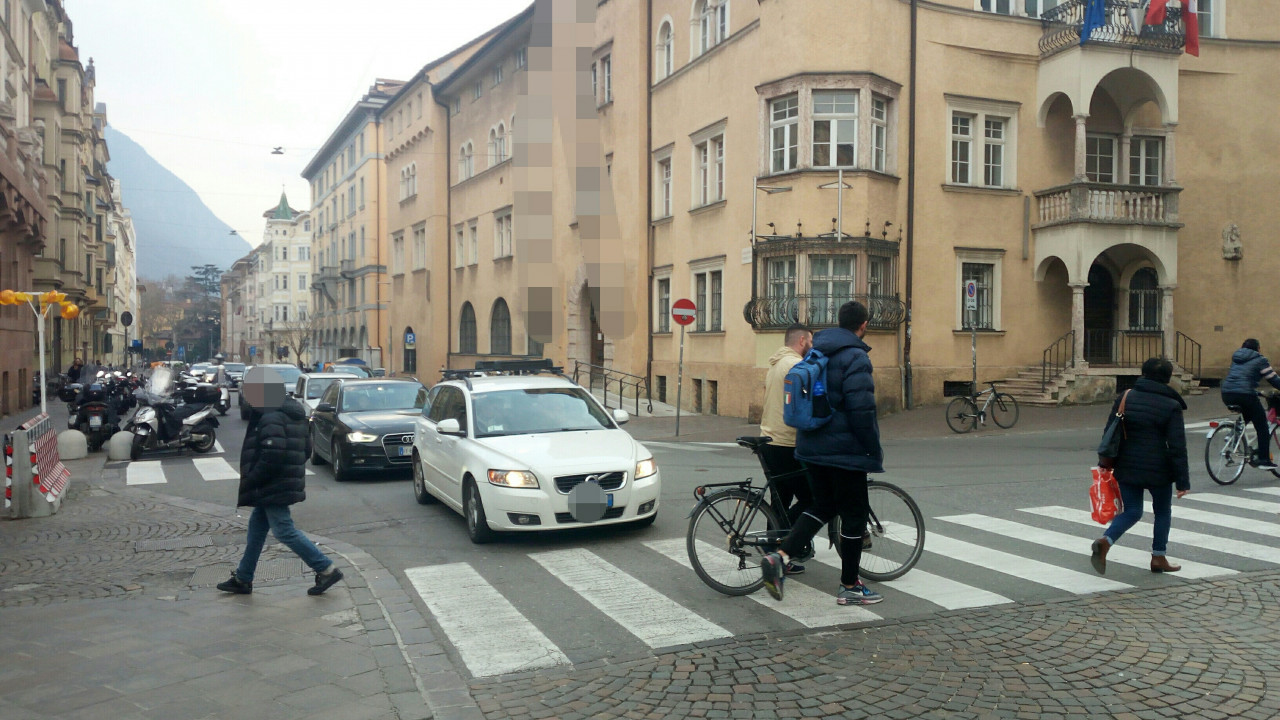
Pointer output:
x,y
621,416
325,407
450,426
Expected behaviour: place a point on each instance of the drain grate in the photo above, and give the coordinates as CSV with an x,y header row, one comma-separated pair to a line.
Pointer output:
x,y
195,541
267,570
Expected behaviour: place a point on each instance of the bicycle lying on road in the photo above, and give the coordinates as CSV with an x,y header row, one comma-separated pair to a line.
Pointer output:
x,y
1231,443
735,524
964,415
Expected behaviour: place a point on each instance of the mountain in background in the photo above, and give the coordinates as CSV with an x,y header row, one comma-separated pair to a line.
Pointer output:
x,y
175,228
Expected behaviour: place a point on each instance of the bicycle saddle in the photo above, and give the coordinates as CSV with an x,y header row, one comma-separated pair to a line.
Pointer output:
x,y
1234,408
754,442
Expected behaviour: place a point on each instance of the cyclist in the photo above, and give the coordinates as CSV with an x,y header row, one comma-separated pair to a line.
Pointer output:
x,y
779,455
1249,367
838,457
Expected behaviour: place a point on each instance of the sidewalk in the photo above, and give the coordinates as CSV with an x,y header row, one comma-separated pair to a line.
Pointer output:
x,y
921,422
107,609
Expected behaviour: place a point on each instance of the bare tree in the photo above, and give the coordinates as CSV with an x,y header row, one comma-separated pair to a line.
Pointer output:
x,y
296,335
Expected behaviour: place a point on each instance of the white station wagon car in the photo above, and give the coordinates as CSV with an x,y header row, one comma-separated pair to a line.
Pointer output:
x,y
516,450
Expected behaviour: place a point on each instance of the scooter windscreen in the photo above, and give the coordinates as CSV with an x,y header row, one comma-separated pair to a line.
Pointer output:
x,y
160,384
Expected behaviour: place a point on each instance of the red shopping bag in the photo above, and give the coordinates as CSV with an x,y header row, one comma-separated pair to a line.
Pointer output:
x,y
1104,496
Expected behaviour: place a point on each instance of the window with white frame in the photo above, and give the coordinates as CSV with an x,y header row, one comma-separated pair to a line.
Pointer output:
x,y
497,144
780,289
419,247
466,163
477,90
662,303
1144,300
1209,15
835,128
473,236
709,163
459,246
397,253
522,58
302,281
595,81
1145,160
665,51
502,234
362,192
831,279
984,268
880,279
784,120
606,78
879,133
711,18
662,177
708,296
982,143
497,74
1100,158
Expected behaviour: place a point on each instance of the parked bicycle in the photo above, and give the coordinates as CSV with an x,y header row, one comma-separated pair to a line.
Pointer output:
x,y
964,413
1232,443
735,524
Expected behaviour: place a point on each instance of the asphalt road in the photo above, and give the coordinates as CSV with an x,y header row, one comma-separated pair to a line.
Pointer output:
x,y
997,533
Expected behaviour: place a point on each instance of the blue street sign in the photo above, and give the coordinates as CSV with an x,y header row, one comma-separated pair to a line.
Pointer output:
x,y
137,344
253,350
410,340
182,352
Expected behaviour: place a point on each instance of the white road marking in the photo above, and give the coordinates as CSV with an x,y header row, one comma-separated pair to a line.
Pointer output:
x,y
646,613
942,591
215,468
1080,546
492,637
1034,571
802,603
217,447
1198,425
146,472
677,446
1231,522
1244,503
1229,546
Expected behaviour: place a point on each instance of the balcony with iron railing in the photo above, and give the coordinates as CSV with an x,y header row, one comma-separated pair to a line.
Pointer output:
x,y
1123,26
1107,203
818,311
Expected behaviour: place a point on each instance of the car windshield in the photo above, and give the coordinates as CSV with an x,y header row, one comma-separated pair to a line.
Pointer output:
x,y
355,370
383,396
289,373
234,367
317,386
537,410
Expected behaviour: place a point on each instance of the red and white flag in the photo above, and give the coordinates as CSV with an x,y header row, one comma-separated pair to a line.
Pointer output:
x,y
1192,23
1156,12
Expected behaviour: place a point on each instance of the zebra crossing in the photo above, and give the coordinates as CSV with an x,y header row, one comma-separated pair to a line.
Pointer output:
x,y
209,467
645,591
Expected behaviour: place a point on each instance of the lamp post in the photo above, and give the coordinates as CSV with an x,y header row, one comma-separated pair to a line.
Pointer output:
x,y
40,304
755,197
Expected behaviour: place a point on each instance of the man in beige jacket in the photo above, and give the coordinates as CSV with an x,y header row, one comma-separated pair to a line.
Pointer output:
x,y
779,454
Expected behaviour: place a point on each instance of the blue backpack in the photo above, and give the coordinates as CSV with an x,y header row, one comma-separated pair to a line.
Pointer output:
x,y
805,405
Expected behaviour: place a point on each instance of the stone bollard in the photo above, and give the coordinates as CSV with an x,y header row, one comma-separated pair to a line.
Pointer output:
x,y
119,445
72,445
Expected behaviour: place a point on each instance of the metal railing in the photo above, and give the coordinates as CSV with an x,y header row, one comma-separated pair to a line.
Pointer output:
x,y
1186,352
1057,358
1063,25
778,312
1122,348
603,377
1107,202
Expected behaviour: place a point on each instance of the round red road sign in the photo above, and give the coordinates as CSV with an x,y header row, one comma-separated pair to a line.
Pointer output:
x,y
684,312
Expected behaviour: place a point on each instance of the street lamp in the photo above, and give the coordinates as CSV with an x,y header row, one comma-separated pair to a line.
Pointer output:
x,y
755,197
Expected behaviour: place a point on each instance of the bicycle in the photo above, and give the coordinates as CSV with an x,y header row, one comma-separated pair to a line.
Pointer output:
x,y
732,528
963,414
1230,446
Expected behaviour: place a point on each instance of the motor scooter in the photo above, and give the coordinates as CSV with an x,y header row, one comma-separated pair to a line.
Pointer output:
x,y
169,419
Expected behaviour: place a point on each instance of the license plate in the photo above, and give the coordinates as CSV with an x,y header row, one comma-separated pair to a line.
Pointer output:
x,y
404,450
608,500
95,421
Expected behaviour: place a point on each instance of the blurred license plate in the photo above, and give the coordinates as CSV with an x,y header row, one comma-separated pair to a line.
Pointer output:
x,y
608,500
95,421
404,450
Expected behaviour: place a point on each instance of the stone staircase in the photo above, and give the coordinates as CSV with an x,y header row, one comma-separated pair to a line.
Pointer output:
x,y
1078,387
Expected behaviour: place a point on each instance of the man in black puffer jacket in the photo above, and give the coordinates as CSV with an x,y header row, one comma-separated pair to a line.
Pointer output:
x,y
273,477
1153,457
1248,368
838,456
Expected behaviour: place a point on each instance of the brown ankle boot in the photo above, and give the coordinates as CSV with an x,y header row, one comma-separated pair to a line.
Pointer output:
x,y
1099,559
1160,563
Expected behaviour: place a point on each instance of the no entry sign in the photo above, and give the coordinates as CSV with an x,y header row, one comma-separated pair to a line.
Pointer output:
x,y
684,312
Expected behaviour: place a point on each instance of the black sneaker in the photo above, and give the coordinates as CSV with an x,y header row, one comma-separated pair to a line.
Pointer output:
x,y
1265,464
235,585
793,568
325,580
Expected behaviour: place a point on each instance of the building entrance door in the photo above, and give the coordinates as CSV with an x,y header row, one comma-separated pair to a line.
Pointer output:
x,y
1099,317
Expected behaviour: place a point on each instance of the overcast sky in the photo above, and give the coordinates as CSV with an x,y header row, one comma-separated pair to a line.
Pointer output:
x,y
209,87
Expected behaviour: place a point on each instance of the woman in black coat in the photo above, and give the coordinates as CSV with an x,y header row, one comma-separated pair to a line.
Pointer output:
x,y
1153,457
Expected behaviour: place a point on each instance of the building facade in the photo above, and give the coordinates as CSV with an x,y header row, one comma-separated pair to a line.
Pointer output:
x,y
122,242
284,284
349,289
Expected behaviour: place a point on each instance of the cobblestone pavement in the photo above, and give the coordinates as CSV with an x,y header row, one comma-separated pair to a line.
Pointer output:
x,y
1207,650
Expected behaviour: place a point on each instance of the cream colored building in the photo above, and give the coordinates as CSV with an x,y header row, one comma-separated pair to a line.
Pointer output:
x,y
283,284
122,264
350,245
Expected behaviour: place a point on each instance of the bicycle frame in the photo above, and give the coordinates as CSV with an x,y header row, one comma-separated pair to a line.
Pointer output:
x,y
731,526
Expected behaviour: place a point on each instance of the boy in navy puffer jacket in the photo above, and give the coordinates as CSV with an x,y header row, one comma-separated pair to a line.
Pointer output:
x,y
1248,368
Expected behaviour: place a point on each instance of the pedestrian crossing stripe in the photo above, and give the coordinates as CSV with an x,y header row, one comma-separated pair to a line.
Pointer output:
x,y
941,591
215,468
1234,501
1260,527
217,447
146,472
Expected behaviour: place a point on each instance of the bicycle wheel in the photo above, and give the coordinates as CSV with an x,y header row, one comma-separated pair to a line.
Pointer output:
x,y
715,541
1004,410
895,538
1275,448
1225,455
962,415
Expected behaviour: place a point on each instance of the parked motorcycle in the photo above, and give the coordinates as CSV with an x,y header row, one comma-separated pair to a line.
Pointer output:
x,y
170,419
95,411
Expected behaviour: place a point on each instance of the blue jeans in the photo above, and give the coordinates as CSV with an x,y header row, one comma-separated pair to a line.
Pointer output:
x,y
1161,503
277,519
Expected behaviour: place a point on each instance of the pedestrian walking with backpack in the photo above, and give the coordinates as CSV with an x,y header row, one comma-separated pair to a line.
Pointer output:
x,y
273,477
830,400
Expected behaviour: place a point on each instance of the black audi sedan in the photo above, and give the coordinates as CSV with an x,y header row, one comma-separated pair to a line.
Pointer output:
x,y
366,425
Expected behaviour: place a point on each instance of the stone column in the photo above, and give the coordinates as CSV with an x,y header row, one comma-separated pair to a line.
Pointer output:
x,y
1170,157
1122,162
1077,323
1166,320
1081,139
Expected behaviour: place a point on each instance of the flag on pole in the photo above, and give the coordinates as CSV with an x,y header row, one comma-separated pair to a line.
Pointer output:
x,y
1095,16
1192,24
1137,13
1156,12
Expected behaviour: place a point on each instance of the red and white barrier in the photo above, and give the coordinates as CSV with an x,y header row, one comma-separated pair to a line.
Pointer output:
x,y
35,478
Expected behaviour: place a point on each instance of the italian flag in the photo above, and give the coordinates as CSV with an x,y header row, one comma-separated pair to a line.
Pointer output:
x,y
1156,15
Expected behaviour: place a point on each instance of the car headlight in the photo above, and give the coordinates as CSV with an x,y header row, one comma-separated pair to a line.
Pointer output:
x,y
361,437
513,478
645,468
